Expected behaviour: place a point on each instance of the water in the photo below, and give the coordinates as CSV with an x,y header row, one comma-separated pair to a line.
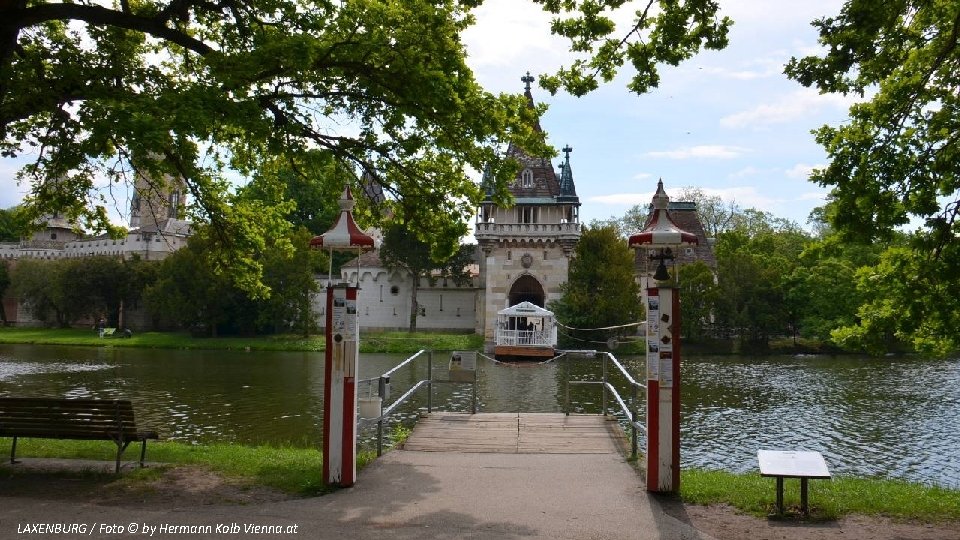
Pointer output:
x,y
896,418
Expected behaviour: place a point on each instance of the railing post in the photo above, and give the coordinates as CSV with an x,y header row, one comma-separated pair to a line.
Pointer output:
x,y
473,406
430,381
381,391
633,423
603,400
566,399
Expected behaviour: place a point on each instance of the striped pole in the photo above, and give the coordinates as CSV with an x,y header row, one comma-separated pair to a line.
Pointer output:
x,y
663,389
340,386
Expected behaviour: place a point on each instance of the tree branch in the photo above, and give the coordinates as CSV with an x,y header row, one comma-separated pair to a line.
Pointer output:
x,y
100,16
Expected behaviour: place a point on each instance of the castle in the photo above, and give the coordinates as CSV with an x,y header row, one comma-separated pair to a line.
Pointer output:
x,y
523,255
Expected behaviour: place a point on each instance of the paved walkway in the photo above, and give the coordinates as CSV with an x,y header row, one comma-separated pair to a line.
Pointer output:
x,y
414,494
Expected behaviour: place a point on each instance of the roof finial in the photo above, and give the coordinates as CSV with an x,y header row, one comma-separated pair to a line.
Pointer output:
x,y
566,150
527,79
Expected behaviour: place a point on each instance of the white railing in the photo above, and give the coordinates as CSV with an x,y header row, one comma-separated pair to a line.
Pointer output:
x,y
523,337
526,228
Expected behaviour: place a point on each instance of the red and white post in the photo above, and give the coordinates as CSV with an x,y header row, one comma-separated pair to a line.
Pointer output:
x,y
663,389
340,386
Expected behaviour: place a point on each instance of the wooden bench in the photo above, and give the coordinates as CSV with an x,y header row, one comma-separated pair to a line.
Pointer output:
x,y
109,332
802,465
78,419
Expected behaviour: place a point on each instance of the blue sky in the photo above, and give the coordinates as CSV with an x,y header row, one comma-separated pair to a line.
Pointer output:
x,y
728,122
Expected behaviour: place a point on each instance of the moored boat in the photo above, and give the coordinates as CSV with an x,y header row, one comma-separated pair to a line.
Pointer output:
x,y
525,331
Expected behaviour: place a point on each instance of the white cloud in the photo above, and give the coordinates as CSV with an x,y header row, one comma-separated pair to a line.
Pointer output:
x,y
509,34
749,171
790,107
707,151
801,171
642,176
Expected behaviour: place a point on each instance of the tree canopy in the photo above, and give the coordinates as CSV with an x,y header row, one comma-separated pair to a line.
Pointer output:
x,y
197,90
894,163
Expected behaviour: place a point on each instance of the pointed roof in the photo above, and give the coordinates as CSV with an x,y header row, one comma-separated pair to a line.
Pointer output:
x,y
661,230
345,234
567,188
541,178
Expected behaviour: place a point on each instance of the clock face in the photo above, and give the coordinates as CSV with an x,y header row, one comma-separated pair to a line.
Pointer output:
x,y
526,260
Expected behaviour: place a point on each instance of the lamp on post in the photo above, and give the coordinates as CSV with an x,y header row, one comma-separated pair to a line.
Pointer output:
x,y
342,351
662,303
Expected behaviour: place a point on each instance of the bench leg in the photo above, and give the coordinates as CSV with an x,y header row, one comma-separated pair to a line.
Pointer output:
x,y
143,452
780,495
13,451
803,496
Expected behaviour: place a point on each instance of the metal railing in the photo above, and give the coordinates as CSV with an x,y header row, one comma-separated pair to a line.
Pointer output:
x,y
630,410
383,392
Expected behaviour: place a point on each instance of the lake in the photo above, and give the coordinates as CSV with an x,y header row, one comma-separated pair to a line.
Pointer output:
x,y
884,417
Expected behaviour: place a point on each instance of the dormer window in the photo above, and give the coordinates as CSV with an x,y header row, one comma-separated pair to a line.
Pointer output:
x,y
526,178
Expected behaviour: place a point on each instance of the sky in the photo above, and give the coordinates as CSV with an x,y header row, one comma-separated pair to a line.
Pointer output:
x,y
728,122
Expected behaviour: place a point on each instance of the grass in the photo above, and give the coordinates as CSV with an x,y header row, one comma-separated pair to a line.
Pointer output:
x,y
828,499
386,342
290,469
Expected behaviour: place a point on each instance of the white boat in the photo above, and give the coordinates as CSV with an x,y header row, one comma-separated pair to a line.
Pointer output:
x,y
525,331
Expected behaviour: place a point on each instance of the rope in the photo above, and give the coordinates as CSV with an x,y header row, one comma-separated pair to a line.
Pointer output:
x,y
602,327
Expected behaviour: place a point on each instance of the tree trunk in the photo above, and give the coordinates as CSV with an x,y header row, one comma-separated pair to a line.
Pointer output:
x,y
413,304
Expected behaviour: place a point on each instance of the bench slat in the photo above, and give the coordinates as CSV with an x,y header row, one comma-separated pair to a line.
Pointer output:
x,y
79,419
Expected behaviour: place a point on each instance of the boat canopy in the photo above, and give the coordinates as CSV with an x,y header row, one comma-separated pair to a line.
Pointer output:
x,y
525,309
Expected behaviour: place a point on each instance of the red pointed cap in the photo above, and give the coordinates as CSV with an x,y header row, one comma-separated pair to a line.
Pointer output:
x,y
661,231
345,234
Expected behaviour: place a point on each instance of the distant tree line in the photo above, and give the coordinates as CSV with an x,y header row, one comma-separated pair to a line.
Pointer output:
x,y
773,279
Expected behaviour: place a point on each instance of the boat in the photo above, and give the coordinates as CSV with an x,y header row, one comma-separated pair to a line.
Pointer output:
x,y
525,331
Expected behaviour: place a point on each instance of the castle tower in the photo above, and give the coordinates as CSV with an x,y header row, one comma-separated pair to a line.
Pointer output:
x,y
526,248
155,201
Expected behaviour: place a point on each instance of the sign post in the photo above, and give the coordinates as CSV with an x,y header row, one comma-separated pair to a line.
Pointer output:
x,y
342,352
340,386
662,299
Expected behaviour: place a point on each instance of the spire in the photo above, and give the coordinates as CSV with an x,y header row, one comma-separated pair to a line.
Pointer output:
x,y
487,183
567,187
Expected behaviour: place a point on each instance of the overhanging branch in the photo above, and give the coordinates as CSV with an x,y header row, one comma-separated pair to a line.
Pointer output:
x,y
100,16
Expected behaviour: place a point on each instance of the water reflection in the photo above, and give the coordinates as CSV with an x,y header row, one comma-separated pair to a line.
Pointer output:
x,y
885,417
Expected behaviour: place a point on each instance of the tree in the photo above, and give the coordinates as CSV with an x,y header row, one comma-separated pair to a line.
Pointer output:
x,y
894,162
716,214
190,291
601,289
13,225
191,89
698,294
291,276
403,250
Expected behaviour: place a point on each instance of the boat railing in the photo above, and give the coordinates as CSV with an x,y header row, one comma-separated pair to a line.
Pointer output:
x,y
523,337
630,407
383,392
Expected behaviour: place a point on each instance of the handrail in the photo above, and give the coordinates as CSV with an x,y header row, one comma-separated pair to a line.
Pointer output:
x,y
630,412
623,370
383,385
401,399
405,362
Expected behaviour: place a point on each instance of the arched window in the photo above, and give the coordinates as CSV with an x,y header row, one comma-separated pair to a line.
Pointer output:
x,y
526,178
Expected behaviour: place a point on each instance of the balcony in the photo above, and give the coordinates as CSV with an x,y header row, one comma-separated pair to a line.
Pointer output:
x,y
547,231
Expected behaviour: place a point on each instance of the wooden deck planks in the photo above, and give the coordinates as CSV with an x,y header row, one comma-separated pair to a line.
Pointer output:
x,y
524,433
